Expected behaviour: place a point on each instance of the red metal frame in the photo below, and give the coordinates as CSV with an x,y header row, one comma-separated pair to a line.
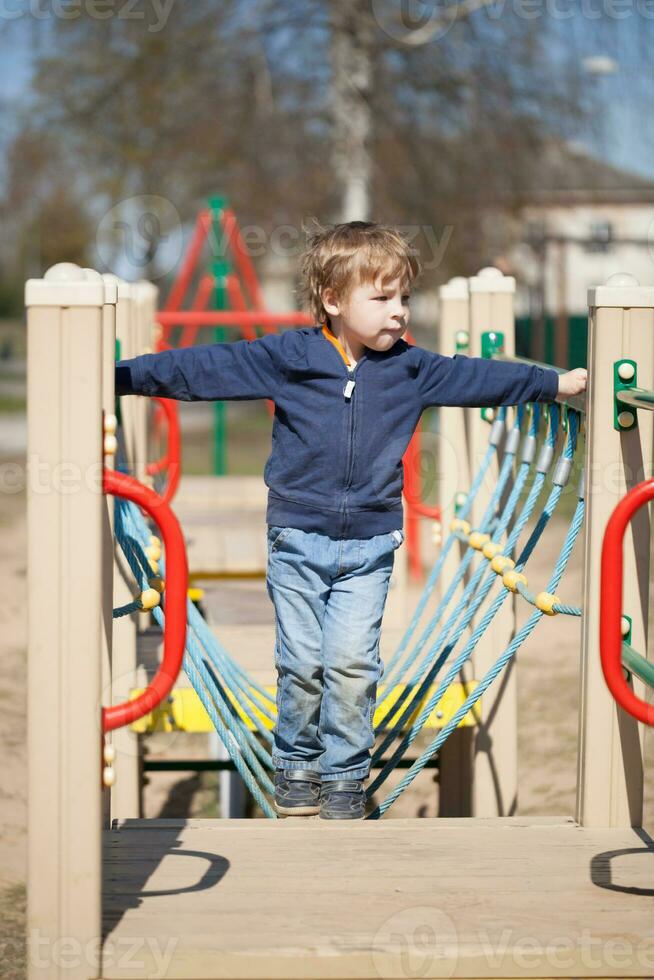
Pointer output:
x,y
611,587
242,259
191,259
232,318
172,459
412,490
121,485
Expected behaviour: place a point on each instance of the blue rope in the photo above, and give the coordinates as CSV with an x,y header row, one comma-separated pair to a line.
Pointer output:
x,y
505,472
438,567
474,639
472,592
424,675
491,674
233,736
205,636
478,595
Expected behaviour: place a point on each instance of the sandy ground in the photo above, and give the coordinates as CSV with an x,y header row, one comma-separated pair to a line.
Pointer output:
x,y
548,681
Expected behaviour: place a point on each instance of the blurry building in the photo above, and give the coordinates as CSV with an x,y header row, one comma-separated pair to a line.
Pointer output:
x,y
577,221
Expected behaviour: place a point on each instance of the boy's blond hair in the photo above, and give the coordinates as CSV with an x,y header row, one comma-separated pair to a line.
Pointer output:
x,y
352,254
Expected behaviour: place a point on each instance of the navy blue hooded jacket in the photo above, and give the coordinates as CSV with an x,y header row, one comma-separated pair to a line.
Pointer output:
x,y
339,433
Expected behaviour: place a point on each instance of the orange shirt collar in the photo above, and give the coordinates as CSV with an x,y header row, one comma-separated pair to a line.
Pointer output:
x,y
336,342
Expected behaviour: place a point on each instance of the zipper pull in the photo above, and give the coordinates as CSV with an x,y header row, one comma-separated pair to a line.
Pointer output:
x,y
349,388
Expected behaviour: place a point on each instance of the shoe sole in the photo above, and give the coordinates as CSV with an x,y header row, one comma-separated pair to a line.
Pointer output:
x,y
354,816
341,816
296,811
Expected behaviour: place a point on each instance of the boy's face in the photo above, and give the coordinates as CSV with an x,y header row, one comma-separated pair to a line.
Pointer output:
x,y
373,315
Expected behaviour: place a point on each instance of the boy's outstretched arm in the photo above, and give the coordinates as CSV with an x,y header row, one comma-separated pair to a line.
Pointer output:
x,y
209,372
480,381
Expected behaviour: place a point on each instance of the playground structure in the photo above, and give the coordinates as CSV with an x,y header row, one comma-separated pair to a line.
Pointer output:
x,y
194,897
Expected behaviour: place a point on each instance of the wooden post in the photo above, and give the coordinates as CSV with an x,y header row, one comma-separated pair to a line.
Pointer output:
x,y
610,758
495,750
131,342
455,756
66,512
145,296
453,465
125,794
109,449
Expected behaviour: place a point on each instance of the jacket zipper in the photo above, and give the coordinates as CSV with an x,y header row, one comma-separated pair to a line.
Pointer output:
x,y
348,391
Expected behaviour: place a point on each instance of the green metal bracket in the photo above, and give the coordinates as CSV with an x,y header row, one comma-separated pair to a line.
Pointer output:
x,y
220,269
625,373
117,411
492,342
633,662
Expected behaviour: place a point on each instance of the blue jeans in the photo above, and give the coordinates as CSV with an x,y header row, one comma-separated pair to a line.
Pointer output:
x,y
329,597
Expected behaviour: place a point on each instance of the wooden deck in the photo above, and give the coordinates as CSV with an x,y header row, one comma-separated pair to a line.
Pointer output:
x,y
460,897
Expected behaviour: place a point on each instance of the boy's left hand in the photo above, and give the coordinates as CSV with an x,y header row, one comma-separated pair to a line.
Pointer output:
x,y
573,382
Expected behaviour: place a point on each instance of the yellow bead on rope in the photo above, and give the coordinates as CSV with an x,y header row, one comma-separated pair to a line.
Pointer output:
x,y
501,563
545,601
477,540
511,579
149,599
460,525
491,548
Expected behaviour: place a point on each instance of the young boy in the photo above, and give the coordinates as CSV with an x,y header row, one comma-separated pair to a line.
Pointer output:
x,y
348,395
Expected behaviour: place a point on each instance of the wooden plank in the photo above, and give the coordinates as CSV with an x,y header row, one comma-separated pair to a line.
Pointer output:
x,y
394,898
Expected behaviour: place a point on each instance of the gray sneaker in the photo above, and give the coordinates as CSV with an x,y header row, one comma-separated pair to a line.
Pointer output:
x,y
342,799
297,792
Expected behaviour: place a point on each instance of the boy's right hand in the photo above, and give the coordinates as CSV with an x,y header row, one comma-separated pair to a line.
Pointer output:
x,y
573,382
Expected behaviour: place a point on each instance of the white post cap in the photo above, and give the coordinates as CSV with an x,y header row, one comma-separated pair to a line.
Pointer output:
x,y
621,290
456,288
65,284
124,288
110,290
491,280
